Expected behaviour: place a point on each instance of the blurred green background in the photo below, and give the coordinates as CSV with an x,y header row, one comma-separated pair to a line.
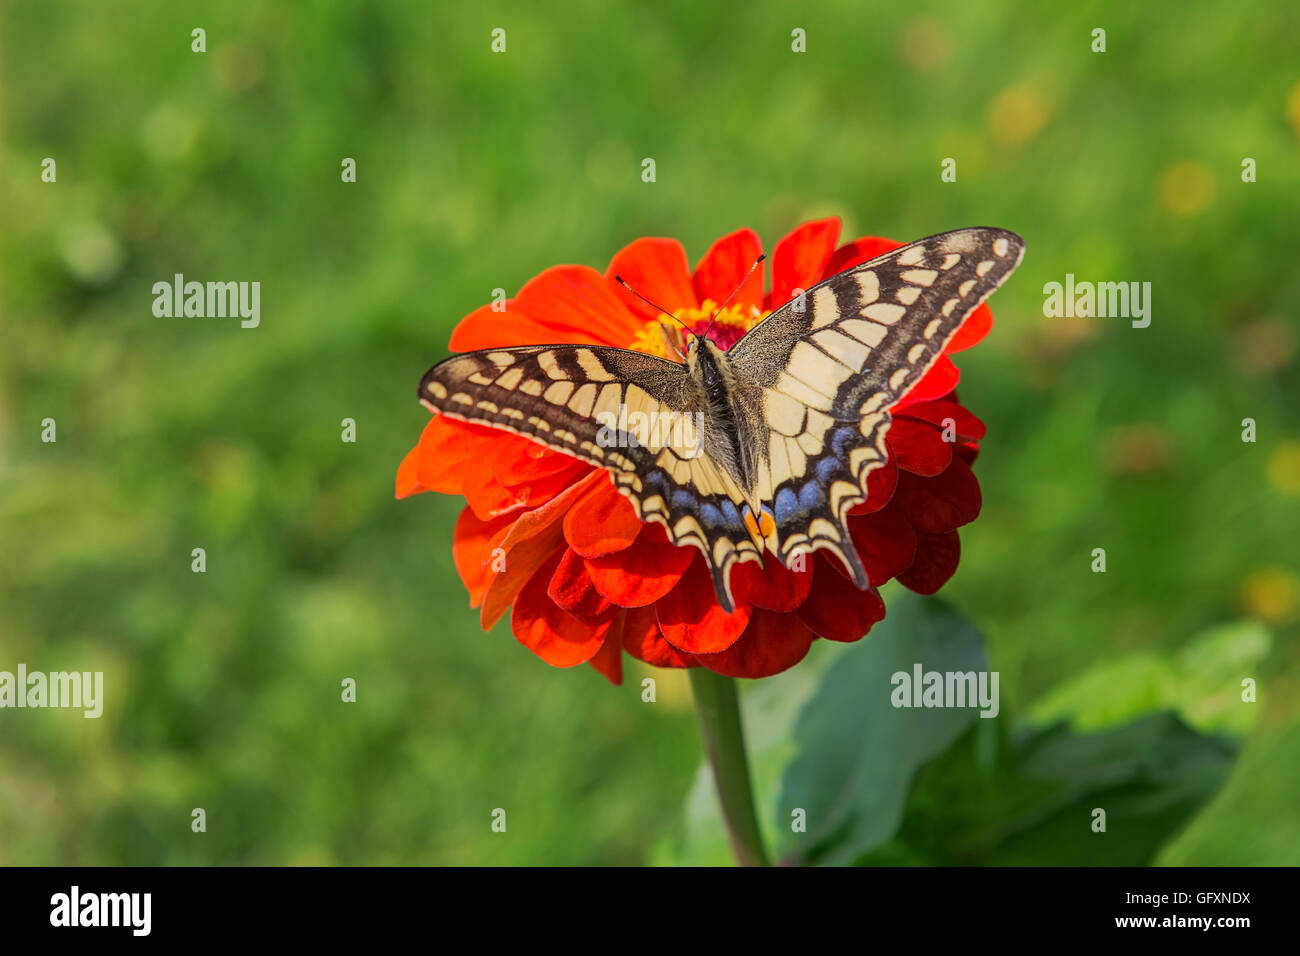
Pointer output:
x,y
477,170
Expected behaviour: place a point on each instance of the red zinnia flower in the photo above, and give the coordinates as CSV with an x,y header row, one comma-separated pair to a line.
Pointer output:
x,y
548,535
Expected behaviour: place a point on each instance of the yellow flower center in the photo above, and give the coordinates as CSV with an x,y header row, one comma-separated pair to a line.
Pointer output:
x,y
731,323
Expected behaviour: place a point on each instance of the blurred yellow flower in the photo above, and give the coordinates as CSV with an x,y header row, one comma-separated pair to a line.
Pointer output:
x,y
1186,188
1284,468
1272,594
925,44
1018,113
1293,107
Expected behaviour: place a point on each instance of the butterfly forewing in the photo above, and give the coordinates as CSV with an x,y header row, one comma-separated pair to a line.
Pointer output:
x,y
638,416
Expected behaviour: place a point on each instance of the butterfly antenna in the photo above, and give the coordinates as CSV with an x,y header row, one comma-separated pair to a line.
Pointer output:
x,y
756,264
660,308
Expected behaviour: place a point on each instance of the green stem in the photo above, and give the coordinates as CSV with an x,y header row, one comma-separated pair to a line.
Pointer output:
x,y
724,741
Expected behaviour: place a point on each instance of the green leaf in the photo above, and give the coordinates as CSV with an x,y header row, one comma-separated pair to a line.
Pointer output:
x,y
1202,682
1253,820
1037,805
857,752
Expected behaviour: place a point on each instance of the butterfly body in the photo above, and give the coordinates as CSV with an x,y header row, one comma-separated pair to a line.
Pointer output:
x,y
793,416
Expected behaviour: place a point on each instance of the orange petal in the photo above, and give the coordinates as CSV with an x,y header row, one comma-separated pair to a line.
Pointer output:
x,y
772,643
408,478
579,298
799,259
492,499
657,269
571,588
602,522
546,630
486,328
691,619
644,572
471,550
723,268
532,539
450,454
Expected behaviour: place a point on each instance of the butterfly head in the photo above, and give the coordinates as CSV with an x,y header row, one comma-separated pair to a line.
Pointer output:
x,y
708,364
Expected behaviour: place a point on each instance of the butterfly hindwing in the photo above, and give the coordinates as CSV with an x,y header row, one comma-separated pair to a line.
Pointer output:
x,y
635,415
825,369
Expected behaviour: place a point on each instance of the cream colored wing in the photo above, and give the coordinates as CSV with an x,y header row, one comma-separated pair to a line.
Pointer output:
x,y
637,416
820,382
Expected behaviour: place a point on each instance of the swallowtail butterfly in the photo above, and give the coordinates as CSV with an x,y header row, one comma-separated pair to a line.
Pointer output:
x,y
792,418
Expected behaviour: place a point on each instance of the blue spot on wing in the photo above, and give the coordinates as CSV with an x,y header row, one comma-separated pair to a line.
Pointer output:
x,y
826,469
732,515
786,505
811,496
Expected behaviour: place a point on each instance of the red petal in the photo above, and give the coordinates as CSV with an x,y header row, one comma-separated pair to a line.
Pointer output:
x,y
579,298
644,572
857,252
965,425
772,643
772,586
546,630
800,257
937,556
531,540
972,331
692,621
836,609
570,588
471,551
601,523
657,269
609,659
936,383
941,503
641,639
918,447
724,266
881,483
885,542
